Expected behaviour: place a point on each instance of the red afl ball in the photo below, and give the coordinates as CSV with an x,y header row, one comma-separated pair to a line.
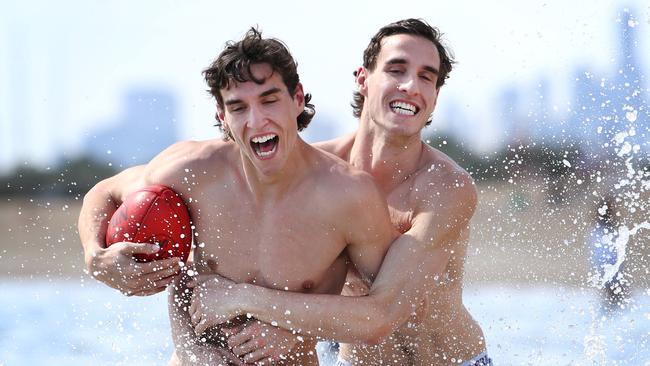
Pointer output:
x,y
154,214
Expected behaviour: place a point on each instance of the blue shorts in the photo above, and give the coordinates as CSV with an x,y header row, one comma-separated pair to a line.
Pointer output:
x,y
342,362
480,360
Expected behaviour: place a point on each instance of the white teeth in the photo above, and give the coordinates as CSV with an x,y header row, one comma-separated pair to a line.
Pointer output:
x,y
257,142
264,138
403,108
265,153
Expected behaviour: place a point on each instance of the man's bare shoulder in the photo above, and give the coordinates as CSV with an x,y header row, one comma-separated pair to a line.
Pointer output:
x,y
166,168
339,146
193,152
173,164
334,169
341,180
439,175
352,200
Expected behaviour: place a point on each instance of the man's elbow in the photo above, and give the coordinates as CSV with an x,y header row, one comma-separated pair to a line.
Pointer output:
x,y
99,191
380,326
377,336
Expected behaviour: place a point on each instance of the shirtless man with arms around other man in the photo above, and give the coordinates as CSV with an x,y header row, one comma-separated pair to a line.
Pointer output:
x,y
413,314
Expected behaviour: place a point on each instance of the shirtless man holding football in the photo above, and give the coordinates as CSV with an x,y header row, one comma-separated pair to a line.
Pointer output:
x,y
258,201
413,314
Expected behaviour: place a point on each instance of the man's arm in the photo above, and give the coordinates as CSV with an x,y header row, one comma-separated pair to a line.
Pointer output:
x,y
408,273
189,348
368,226
339,147
100,203
115,265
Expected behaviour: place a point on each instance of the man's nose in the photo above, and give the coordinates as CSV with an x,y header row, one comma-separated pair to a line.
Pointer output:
x,y
256,118
409,86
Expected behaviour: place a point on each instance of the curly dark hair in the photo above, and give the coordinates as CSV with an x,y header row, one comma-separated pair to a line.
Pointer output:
x,y
234,65
417,27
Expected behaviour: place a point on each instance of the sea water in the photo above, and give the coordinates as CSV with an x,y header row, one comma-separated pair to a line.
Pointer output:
x,y
85,323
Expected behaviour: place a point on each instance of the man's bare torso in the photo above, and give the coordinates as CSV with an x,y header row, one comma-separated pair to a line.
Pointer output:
x,y
441,325
293,241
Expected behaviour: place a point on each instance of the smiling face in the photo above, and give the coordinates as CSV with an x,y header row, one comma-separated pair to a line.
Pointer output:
x,y
262,118
401,93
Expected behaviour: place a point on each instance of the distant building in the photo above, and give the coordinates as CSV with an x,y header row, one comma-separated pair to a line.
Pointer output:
x,y
615,103
515,125
147,127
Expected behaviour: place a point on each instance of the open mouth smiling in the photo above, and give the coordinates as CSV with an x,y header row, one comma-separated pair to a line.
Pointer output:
x,y
404,108
264,145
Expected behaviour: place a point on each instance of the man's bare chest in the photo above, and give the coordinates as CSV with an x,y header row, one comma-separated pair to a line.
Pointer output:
x,y
400,207
285,246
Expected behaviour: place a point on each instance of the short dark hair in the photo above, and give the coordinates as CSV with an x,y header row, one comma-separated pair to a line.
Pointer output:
x,y
416,27
234,65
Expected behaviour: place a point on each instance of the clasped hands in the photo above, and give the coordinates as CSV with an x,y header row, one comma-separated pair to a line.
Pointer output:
x,y
216,300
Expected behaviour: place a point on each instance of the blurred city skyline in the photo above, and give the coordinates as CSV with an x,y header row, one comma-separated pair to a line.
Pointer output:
x,y
119,83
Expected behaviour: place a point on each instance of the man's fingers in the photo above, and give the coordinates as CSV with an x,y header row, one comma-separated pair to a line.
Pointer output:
x,y
164,282
192,308
267,361
232,330
252,345
238,338
139,248
144,283
149,292
195,318
256,355
161,273
231,358
161,265
201,327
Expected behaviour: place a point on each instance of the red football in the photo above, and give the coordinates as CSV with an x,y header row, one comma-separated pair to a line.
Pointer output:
x,y
155,214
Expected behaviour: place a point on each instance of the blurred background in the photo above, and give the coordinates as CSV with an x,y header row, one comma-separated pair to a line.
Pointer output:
x,y
547,108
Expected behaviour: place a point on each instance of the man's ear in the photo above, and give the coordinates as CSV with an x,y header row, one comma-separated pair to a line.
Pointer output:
x,y
224,126
361,78
299,96
220,113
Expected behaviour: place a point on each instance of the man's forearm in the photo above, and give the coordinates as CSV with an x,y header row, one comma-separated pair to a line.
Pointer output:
x,y
98,206
405,278
363,319
188,346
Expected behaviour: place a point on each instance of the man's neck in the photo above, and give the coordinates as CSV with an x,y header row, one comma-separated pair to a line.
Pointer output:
x,y
271,188
388,158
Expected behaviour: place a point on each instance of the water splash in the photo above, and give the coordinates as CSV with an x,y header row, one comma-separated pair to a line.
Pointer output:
x,y
619,244
595,345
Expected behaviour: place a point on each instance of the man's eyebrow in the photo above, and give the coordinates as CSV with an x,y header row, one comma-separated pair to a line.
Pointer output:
x,y
396,61
262,95
402,61
431,69
269,92
232,101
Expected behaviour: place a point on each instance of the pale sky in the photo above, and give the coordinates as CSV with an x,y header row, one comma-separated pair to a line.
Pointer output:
x,y
65,65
